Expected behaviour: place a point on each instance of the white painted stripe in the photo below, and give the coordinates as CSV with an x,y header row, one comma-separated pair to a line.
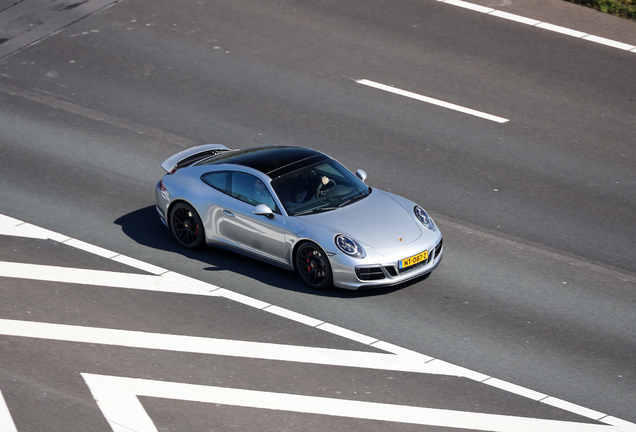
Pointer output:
x,y
4,230
121,407
406,354
513,388
294,316
467,5
516,18
609,42
9,222
576,409
358,337
192,284
87,247
623,425
432,101
240,298
93,277
451,369
36,231
113,394
211,346
140,265
540,24
6,421
562,30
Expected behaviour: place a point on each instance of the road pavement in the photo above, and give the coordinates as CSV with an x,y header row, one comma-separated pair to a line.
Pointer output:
x,y
537,283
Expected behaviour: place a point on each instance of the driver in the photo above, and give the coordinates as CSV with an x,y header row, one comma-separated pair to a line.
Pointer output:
x,y
303,190
324,180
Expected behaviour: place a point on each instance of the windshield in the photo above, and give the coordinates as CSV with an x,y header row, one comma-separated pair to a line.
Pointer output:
x,y
323,186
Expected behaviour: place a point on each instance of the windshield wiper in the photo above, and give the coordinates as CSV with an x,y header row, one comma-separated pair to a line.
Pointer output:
x,y
316,210
349,201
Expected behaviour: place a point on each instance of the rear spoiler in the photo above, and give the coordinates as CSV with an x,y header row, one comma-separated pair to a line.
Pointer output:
x,y
191,155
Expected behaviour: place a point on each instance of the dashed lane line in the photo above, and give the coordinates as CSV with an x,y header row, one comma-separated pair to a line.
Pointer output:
x,y
18,227
432,101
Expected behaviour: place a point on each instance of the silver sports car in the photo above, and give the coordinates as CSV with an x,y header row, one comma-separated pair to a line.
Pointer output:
x,y
299,209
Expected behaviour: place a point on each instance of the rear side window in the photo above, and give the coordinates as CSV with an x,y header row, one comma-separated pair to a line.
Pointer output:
x,y
218,180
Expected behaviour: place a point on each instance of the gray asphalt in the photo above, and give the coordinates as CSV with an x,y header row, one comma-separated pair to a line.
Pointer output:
x,y
537,283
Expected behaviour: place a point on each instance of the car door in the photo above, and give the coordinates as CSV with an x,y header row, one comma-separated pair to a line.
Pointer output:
x,y
258,235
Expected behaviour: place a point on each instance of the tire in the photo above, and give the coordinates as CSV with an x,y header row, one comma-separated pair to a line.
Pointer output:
x,y
312,265
186,226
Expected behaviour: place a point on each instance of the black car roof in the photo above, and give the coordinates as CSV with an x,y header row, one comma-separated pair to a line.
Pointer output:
x,y
274,161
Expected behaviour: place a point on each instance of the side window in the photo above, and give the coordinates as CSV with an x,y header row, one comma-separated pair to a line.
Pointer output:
x,y
218,180
251,190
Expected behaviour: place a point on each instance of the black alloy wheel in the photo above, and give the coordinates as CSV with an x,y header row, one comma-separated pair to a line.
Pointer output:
x,y
313,266
186,226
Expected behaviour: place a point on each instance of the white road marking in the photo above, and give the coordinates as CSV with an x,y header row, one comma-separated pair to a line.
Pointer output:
x,y
114,396
513,17
28,230
87,247
561,30
6,421
610,43
363,339
212,346
513,388
543,25
291,315
97,278
432,101
11,232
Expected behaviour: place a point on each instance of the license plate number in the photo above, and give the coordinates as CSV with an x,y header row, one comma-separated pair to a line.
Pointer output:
x,y
408,262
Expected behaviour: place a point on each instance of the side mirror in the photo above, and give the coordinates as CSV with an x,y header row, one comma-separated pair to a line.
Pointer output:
x,y
361,175
263,210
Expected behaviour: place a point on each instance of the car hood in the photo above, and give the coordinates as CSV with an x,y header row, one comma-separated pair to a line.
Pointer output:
x,y
377,221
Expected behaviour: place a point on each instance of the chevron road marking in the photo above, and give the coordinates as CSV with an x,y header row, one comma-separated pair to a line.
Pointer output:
x,y
95,277
394,358
117,398
211,346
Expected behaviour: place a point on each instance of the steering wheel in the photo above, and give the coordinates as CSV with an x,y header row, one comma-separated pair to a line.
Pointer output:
x,y
326,187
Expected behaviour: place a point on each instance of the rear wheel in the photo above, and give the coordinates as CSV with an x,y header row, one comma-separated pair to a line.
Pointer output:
x,y
313,266
186,226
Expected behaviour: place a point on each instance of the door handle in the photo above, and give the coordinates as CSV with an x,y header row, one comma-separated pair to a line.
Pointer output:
x,y
228,213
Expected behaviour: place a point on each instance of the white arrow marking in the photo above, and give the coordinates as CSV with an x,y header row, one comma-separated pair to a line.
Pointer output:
x,y
211,346
114,397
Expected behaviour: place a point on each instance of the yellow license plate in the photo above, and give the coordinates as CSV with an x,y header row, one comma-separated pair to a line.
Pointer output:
x,y
408,262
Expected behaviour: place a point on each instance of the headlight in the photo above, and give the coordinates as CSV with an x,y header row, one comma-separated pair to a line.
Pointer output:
x,y
348,245
423,217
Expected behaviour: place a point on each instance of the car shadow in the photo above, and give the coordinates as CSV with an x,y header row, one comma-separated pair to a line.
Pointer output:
x,y
144,227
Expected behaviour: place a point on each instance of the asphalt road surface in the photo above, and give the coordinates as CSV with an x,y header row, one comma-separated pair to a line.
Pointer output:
x,y
536,201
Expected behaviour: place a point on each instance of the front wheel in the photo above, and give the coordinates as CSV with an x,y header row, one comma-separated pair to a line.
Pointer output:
x,y
186,226
313,266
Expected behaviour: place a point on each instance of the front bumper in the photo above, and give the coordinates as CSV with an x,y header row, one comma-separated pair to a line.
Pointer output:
x,y
353,275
